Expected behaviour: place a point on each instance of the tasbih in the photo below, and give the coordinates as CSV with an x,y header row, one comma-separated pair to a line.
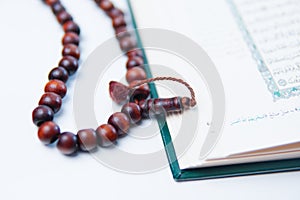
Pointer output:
x,y
135,97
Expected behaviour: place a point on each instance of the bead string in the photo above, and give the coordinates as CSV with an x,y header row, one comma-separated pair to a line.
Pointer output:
x,y
193,98
118,123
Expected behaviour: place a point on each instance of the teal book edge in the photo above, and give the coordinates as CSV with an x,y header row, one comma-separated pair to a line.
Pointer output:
x,y
179,174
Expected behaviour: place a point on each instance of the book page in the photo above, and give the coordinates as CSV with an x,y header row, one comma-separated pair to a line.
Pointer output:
x,y
257,60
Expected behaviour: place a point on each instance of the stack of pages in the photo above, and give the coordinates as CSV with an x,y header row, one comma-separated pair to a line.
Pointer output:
x,y
255,48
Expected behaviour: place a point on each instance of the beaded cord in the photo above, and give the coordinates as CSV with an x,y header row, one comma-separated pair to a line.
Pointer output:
x,y
118,123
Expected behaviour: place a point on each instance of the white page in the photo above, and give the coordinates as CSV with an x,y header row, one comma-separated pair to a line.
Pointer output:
x,y
253,118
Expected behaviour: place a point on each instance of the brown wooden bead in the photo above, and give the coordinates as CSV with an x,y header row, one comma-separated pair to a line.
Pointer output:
x,y
87,139
57,8
71,50
139,93
56,86
63,16
120,122
106,135
115,12
51,2
160,106
59,73
133,112
71,26
67,143
135,52
70,38
118,21
135,73
69,63
121,32
48,132
42,114
127,43
134,62
120,29
52,100
106,5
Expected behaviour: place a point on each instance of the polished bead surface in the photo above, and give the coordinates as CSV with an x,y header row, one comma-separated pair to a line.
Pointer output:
x,y
134,62
71,50
67,143
51,2
87,139
135,73
120,29
106,5
42,114
135,52
57,8
63,17
70,38
106,135
71,26
118,21
48,132
56,86
59,73
121,32
127,43
118,91
115,12
120,122
52,100
133,112
139,93
69,63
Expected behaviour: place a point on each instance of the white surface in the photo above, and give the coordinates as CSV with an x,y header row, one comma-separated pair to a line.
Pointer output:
x,y
30,47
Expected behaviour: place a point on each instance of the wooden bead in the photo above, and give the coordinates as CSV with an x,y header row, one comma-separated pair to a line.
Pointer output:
x,y
57,7
106,135
127,43
120,122
70,38
51,2
42,114
59,73
87,139
71,26
135,73
134,62
118,21
52,100
48,132
115,12
56,86
133,112
139,93
71,50
121,32
67,143
106,5
143,104
120,29
186,102
160,106
69,63
63,16
135,52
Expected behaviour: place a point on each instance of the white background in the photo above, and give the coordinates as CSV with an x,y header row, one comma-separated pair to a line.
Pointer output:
x,y
29,48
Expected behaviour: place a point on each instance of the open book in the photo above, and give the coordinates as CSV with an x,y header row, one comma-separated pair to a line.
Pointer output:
x,y
255,47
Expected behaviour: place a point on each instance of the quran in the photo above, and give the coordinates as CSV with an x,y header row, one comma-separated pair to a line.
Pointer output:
x,y
255,48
